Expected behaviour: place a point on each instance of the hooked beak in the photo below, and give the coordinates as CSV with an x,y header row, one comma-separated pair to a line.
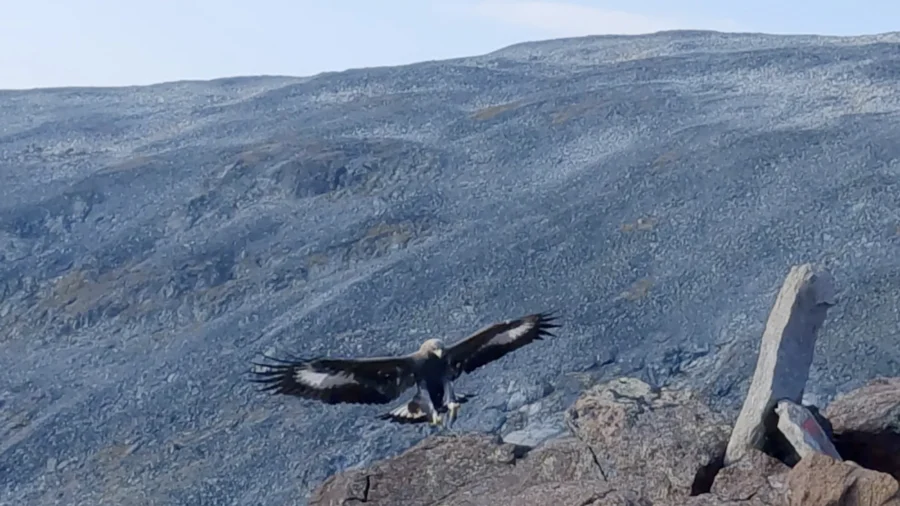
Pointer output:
x,y
438,353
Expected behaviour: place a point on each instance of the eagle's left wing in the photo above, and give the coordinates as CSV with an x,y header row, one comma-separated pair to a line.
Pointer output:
x,y
377,380
498,339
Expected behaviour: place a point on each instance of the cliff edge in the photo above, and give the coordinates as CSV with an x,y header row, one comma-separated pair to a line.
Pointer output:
x,y
631,444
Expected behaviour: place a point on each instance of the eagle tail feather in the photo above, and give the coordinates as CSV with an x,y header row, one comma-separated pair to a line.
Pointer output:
x,y
406,414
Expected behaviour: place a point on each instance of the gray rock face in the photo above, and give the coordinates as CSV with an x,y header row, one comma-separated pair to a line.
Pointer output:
x,y
654,189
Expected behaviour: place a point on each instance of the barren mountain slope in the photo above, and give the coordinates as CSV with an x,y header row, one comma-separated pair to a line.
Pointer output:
x,y
653,189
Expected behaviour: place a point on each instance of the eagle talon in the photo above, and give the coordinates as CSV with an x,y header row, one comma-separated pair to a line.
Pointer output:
x,y
453,409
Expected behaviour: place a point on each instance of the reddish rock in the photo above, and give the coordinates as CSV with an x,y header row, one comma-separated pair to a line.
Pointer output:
x,y
819,480
475,470
750,477
662,443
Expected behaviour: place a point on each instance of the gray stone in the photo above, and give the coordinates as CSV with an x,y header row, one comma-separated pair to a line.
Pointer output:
x,y
535,433
516,401
785,354
802,431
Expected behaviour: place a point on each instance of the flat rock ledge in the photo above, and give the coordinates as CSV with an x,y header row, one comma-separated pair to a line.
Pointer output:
x,y
631,444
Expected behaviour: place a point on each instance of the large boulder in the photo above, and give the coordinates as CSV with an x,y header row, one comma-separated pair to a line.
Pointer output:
x,y
816,480
663,443
819,480
756,477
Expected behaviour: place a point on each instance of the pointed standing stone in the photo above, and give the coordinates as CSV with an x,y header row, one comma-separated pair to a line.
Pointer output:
x,y
785,355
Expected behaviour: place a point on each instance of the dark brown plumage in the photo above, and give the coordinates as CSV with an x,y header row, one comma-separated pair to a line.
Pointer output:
x,y
432,369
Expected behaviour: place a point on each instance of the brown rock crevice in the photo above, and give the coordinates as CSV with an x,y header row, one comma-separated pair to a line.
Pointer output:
x,y
879,451
866,425
706,475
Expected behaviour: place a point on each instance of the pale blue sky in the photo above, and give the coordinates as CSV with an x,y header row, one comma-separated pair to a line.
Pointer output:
x,y
121,42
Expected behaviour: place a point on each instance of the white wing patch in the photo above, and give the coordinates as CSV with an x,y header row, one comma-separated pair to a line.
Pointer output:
x,y
322,380
512,334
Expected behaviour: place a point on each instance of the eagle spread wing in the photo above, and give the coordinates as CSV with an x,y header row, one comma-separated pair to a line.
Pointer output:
x,y
338,380
498,339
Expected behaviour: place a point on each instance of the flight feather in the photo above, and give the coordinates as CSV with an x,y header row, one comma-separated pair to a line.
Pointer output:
x,y
338,380
496,340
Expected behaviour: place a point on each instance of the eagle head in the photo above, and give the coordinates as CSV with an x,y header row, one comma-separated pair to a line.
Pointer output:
x,y
432,347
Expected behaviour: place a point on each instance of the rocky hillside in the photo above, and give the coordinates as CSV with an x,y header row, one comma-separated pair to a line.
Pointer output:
x,y
653,189
633,445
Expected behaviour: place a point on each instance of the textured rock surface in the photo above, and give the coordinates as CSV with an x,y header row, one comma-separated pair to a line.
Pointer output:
x,y
874,407
662,443
754,477
631,446
474,470
820,480
802,431
654,189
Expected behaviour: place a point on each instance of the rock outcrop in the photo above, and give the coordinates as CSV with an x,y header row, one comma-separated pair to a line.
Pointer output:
x,y
866,425
631,444
635,432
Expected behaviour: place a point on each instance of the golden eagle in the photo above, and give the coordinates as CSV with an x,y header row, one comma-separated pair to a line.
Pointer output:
x,y
380,380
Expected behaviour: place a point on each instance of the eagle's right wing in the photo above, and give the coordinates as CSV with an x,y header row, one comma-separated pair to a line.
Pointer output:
x,y
497,340
338,380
